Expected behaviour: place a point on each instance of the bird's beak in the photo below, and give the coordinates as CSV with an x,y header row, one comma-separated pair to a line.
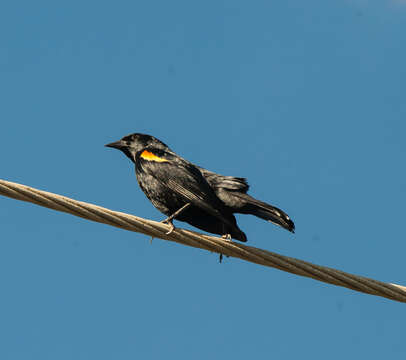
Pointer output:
x,y
117,145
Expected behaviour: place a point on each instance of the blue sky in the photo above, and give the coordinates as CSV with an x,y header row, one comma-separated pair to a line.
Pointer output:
x,y
305,99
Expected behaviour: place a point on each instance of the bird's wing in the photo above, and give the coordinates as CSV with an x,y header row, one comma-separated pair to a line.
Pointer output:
x,y
183,178
226,182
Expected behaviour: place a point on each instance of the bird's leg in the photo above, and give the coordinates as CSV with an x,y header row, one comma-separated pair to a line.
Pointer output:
x,y
169,219
176,213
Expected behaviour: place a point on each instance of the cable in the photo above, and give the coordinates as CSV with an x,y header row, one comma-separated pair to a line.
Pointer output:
x,y
211,243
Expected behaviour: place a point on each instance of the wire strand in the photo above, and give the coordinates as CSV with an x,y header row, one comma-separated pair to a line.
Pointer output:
x,y
190,238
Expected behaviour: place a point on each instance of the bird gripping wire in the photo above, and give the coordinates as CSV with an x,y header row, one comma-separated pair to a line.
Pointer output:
x,y
191,238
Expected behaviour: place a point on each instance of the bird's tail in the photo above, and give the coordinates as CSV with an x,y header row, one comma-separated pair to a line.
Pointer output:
x,y
265,211
238,235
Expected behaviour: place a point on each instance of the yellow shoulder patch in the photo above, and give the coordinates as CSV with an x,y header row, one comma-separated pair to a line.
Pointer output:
x,y
147,155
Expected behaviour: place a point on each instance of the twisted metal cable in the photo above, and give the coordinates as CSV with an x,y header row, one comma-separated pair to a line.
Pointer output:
x,y
211,243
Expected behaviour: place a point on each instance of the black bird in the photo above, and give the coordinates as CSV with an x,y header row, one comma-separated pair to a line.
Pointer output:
x,y
187,192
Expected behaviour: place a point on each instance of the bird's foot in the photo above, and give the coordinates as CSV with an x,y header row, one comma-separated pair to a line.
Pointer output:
x,y
227,237
170,223
169,219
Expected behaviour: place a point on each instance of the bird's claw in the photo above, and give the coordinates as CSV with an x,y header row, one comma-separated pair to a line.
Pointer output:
x,y
172,227
227,237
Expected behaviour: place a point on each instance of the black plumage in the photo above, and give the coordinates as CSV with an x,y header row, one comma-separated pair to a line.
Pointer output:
x,y
232,191
170,182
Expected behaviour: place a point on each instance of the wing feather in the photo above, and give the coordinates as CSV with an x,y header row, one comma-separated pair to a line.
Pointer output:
x,y
186,180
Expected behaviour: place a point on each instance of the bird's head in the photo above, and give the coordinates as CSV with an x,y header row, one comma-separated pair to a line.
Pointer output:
x,y
131,144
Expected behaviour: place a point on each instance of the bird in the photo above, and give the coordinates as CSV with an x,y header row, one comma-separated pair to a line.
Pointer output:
x,y
187,192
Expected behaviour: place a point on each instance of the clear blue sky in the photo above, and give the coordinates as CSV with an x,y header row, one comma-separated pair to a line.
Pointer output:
x,y
304,98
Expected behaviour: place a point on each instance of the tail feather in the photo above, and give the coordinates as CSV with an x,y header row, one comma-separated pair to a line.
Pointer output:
x,y
239,235
266,212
